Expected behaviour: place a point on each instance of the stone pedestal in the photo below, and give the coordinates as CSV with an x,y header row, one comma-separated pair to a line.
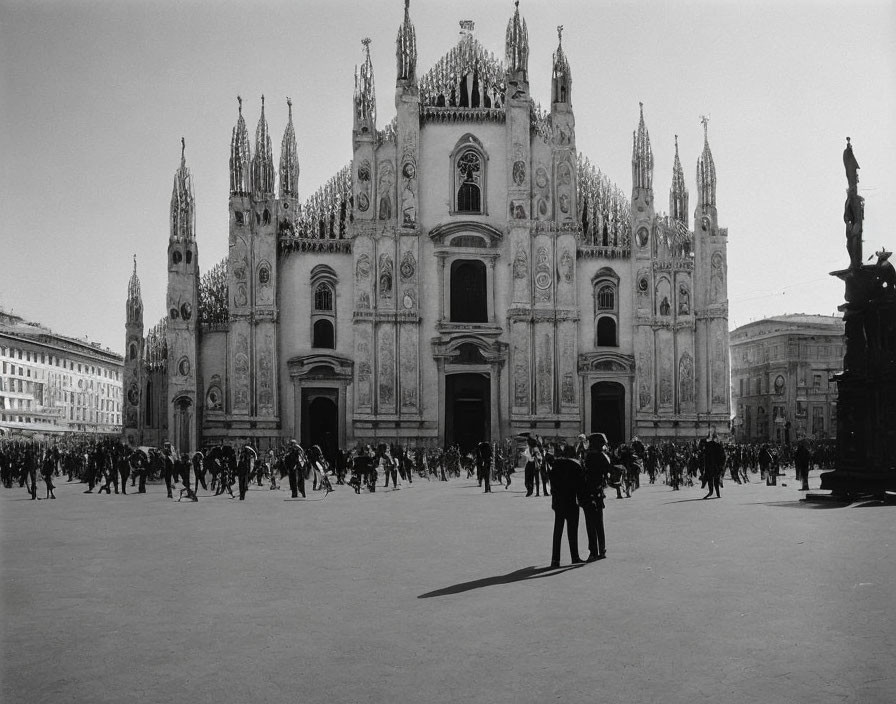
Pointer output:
x,y
866,405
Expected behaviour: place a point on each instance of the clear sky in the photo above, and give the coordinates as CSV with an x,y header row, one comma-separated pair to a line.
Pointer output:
x,y
96,95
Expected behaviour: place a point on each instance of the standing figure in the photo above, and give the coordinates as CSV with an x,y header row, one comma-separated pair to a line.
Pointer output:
x,y
199,471
531,457
591,498
714,464
484,465
802,460
46,470
295,461
168,469
567,481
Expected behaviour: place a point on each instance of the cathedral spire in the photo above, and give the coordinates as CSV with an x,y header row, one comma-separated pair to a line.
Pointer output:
x,y
263,161
517,44
561,83
706,170
406,47
642,156
182,205
135,300
365,94
678,194
240,175
289,159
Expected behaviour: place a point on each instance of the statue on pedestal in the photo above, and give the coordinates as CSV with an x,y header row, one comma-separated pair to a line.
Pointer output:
x,y
854,210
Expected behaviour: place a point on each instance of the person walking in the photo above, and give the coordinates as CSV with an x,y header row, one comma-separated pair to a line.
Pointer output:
x,y
714,459
567,479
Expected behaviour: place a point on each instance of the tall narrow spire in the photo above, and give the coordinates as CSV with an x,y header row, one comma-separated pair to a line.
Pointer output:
x,y
561,83
289,159
706,170
678,194
517,44
263,161
182,205
406,47
135,300
642,156
240,175
365,95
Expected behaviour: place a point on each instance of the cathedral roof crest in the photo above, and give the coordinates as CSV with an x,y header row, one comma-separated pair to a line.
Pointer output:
x,y
605,212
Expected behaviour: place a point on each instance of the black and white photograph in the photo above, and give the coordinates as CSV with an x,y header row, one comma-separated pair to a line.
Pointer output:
x,y
415,351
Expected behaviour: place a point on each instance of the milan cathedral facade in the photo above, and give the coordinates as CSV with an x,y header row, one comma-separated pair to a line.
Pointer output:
x,y
469,275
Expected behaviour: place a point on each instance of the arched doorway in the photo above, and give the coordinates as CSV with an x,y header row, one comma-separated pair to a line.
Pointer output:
x,y
320,416
608,410
467,410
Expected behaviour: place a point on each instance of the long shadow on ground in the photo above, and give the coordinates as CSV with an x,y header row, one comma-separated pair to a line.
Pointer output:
x,y
531,572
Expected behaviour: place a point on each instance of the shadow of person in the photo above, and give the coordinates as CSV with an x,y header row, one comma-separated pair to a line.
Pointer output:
x,y
531,572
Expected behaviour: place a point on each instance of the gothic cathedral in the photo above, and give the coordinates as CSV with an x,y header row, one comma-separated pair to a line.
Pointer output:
x,y
469,275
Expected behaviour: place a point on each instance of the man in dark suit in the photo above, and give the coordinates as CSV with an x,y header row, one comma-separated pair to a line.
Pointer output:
x,y
567,479
714,458
484,465
591,497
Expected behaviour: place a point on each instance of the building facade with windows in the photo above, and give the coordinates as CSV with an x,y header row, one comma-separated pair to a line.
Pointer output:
x,y
51,384
469,275
781,371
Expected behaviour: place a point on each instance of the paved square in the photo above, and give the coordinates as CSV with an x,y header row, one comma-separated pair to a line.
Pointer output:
x,y
438,593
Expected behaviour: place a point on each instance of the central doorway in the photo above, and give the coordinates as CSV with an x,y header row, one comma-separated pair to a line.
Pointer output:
x,y
608,410
467,410
320,421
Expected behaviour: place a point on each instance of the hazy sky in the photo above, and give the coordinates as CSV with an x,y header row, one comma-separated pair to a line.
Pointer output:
x,y
95,96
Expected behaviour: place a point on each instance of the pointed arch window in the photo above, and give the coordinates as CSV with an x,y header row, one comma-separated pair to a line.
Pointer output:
x,y
468,165
606,308
323,307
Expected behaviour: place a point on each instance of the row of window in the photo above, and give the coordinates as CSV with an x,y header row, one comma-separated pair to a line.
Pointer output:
x,y
53,361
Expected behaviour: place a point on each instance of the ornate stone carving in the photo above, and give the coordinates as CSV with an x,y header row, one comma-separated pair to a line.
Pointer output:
x,y
645,372
686,379
520,262
542,194
684,299
408,266
545,374
519,172
362,268
717,278
665,396
564,190
543,278
386,374
264,292
567,266
409,183
364,179
241,374
365,368
719,387
266,377
518,209
385,186
386,276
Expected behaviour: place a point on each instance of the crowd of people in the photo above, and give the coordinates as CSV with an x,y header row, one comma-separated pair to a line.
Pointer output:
x,y
576,475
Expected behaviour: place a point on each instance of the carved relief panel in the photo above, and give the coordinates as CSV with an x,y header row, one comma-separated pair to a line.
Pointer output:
x,y
386,368
644,369
565,191
365,355
666,366
543,270
241,368
566,271
541,194
521,374
265,376
365,273
686,396
386,191
544,368
264,291
408,345
717,286
568,372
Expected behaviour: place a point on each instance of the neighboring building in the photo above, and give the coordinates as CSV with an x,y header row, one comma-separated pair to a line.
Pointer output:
x,y
469,275
53,384
781,370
